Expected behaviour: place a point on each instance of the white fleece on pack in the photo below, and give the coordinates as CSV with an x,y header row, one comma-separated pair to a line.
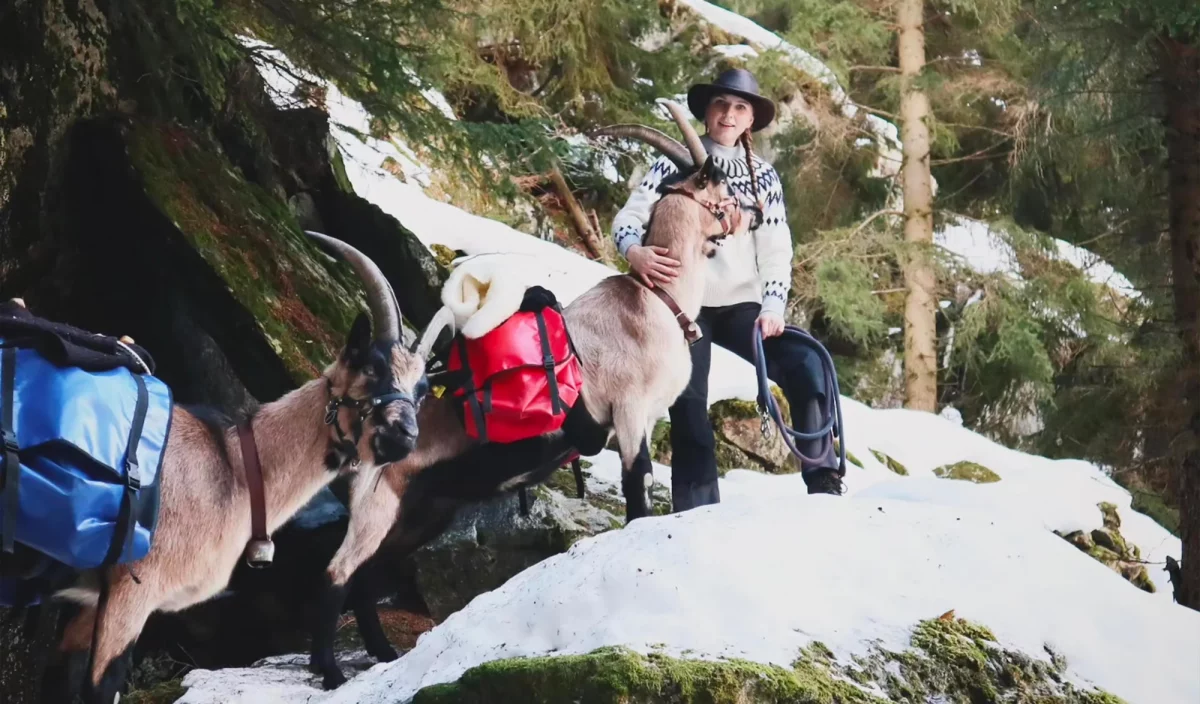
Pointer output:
x,y
482,294
757,267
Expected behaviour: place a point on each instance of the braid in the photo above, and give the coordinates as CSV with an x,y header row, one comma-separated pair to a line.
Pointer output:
x,y
745,139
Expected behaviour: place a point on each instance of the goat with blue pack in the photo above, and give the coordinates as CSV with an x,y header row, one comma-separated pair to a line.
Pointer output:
x,y
85,425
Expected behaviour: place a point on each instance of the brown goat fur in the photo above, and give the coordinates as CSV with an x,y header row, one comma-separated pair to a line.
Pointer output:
x,y
615,321
204,521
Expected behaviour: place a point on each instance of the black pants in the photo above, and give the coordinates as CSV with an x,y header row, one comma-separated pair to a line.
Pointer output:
x,y
795,367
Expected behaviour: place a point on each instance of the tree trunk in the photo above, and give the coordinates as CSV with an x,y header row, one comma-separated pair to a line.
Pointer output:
x,y
1180,63
920,328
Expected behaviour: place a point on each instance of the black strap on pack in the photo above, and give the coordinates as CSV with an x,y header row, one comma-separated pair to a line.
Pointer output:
x,y
123,532
548,362
10,463
469,390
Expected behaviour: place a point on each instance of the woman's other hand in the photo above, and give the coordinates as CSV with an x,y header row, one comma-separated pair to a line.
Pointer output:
x,y
770,324
651,264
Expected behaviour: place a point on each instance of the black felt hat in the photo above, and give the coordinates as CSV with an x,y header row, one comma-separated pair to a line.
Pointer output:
x,y
735,81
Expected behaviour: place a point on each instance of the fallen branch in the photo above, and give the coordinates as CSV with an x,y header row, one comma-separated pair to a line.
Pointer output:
x,y
590,237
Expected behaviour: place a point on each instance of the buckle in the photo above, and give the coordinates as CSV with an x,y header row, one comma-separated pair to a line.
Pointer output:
x,y
131,474
10,441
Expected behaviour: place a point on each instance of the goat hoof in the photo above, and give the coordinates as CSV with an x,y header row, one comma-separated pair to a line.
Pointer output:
x,y
387,654
333,679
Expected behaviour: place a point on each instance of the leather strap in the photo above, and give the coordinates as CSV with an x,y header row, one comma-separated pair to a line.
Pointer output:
x,y
258,507
691,331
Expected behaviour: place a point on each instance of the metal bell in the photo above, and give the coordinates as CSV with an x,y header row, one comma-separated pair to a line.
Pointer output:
x,y
260,553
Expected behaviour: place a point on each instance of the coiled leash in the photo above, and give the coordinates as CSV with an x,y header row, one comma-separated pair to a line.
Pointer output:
x,y
768,408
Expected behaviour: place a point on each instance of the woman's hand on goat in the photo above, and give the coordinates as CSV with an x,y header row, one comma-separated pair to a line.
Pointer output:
x,y
651,264
771,324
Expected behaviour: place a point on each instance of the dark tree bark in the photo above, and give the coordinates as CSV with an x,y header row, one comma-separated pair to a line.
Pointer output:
x,y
1180,64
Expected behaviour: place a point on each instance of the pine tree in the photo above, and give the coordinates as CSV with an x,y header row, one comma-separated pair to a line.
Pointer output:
x,y
1130,72
920,326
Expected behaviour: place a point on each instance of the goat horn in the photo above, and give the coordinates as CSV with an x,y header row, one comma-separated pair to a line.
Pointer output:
x,y
690,138
385,309
443,319
673,150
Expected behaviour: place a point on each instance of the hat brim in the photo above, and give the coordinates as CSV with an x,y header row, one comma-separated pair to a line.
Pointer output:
x,y
699,95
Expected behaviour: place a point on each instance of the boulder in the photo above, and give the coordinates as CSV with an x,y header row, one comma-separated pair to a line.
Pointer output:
x,y
488,543
1107,546
967,472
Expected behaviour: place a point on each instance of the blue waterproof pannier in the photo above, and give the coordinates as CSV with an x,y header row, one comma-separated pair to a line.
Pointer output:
x,y
85,427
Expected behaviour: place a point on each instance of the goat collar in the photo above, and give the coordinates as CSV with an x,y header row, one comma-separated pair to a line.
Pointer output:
x,y
718,210
260,551
691,331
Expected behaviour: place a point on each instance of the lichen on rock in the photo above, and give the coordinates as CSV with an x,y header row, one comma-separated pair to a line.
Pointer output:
x,y
967,472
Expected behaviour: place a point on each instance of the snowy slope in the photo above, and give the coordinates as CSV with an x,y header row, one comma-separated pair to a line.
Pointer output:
x,y
771,569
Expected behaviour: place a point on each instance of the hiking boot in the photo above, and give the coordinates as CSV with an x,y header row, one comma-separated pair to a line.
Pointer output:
x,y
824,480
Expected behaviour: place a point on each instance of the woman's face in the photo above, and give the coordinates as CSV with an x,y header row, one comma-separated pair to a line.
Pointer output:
x,y
727,117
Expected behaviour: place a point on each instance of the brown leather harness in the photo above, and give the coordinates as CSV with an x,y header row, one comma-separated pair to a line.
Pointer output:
x,y
260,551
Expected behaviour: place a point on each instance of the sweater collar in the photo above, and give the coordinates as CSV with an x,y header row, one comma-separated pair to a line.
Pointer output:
x,y
721,151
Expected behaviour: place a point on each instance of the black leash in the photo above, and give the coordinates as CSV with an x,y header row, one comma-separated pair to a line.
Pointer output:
x,y
769,409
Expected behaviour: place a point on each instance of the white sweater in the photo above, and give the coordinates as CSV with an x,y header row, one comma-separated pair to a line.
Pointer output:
x,y
755,267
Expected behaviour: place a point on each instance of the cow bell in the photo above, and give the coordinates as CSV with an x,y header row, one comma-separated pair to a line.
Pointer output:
x,y
260,553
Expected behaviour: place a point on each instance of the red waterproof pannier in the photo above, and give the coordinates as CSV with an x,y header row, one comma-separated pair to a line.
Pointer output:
x,y
524,376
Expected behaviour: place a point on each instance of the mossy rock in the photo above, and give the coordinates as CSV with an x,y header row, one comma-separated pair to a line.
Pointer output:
x,y
1107,546
968,472
849,455
303,301
737,425
949,660
616,675
890,463
956,661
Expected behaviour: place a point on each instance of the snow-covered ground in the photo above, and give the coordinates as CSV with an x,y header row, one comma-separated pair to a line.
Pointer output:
x,y
771,568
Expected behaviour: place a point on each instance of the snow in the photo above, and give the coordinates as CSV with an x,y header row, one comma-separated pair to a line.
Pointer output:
x,y
771,568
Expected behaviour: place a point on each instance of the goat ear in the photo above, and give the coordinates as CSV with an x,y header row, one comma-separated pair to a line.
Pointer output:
x,y
358,343
707,173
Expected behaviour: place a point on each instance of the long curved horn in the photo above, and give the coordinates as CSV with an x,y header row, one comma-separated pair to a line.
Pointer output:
x,y
673,150
690,138
441,320
385,310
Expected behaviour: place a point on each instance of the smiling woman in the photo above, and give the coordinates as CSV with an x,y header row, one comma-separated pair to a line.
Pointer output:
x,y
747,285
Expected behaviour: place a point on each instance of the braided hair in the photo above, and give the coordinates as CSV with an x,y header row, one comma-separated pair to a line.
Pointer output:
x,y
746,144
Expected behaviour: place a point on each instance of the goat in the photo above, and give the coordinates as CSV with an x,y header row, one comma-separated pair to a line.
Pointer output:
x,y
635,362
373,391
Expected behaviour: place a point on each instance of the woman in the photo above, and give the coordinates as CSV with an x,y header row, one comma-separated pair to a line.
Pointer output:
x,y
747,286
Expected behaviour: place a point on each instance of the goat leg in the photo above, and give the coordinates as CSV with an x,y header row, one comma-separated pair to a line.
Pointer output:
x,y
630,426
373,510
125,613
364,599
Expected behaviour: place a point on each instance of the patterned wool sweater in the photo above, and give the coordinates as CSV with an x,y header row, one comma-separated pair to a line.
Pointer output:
x,y
755,268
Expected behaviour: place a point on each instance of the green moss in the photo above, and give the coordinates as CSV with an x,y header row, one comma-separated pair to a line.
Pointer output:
x,y
621,676
303,302
162,693
968,472
1108,547
890,463
1153,505
951,661
849,455
956,661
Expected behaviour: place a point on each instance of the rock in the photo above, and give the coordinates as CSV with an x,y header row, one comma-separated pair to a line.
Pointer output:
x,y
1107,546
968,472
490,542
740,442
949,660
889,463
